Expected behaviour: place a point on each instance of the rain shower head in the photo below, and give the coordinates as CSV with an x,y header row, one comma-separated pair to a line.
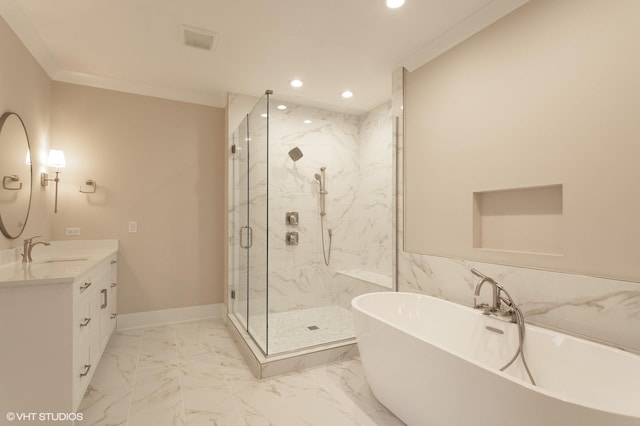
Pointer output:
x,y
295,154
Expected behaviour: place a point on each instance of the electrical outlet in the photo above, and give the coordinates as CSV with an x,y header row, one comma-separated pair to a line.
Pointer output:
x,y
72,231
133,227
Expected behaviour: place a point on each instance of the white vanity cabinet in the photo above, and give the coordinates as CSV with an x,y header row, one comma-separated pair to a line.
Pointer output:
x,y
56,317
94,322
85,334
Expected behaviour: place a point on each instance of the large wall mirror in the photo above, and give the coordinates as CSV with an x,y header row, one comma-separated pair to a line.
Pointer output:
x,y
15,172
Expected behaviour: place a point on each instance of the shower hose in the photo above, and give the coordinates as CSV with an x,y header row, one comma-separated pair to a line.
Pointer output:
x,y
327,256
520,351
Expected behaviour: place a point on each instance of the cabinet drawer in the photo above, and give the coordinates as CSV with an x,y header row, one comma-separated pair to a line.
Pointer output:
x,y
82,287
83,366
85,318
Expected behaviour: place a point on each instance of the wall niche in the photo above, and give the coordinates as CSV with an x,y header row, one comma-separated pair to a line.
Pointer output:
x,y
527,220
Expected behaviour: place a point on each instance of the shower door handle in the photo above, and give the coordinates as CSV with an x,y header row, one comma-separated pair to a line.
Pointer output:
x,y
249,231
242,232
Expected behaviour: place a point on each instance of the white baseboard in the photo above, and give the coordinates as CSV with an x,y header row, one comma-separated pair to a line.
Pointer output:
x,y
170,316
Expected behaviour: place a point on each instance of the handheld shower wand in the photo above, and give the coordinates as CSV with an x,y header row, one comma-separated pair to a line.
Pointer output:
x,y
323,191
321,178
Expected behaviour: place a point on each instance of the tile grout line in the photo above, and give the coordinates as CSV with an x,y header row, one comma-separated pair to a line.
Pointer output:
x,y
135,376
226,379
180,377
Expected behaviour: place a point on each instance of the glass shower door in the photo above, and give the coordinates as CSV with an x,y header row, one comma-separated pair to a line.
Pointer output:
x,y
240,220
252,206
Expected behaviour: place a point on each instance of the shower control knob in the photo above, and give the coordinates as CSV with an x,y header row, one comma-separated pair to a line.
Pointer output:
x,y
291,238
291,218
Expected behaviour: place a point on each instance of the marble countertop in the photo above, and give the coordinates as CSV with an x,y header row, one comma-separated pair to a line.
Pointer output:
x,y
62,261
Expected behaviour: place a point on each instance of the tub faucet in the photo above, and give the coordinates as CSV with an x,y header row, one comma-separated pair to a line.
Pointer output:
x,y
498,296
28,246
495,296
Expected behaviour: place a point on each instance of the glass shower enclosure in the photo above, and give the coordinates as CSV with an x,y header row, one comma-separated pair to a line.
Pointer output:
x,y
250,296
311,222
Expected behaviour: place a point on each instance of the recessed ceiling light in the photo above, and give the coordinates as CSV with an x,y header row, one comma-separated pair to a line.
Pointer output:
x,y
394,4
307,121
296,83
347,94
281,107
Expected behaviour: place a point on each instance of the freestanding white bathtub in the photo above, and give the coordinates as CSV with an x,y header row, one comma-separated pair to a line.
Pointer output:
x,y
435,363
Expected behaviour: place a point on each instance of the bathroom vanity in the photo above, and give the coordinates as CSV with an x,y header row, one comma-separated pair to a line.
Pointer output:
x,y
57,314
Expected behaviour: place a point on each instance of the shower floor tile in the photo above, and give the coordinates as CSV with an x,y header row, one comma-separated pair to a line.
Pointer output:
x,y
302,328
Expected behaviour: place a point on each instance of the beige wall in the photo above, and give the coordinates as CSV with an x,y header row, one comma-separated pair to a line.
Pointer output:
x,y
159,163
26,90
548,95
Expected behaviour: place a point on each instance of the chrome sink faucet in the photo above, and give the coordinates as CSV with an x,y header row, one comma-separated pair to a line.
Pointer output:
x,y
28,246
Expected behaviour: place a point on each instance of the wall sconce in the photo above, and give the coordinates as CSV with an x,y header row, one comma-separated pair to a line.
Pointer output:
x,y
56,159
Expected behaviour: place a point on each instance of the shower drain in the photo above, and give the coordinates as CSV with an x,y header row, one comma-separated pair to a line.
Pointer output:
x,y
313,327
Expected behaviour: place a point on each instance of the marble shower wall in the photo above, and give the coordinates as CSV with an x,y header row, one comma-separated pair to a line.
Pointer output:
x,y
356,151
371,222
599,309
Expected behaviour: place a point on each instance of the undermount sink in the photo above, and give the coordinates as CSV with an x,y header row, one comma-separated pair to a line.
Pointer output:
x,y
65,259
55,267
59,262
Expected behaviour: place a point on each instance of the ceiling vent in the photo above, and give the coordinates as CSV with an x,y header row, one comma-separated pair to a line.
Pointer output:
x,y
200,39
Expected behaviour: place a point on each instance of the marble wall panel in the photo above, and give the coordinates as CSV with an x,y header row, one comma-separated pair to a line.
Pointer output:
x,y
356,151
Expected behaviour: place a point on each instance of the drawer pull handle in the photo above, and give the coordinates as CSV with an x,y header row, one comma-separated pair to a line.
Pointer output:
x,y
87,367
113,285
113,316
104,300
113,262
85,322
85,286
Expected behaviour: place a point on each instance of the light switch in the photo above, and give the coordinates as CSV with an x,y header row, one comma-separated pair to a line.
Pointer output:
x,y
133,227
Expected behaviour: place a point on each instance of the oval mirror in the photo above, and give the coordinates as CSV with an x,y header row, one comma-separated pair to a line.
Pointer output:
x,y
15,172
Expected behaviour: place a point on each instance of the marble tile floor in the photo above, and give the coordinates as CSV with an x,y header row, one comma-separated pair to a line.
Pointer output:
x,y
193,374
303,328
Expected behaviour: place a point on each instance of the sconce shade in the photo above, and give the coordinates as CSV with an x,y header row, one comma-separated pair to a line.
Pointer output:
x,y
56,158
